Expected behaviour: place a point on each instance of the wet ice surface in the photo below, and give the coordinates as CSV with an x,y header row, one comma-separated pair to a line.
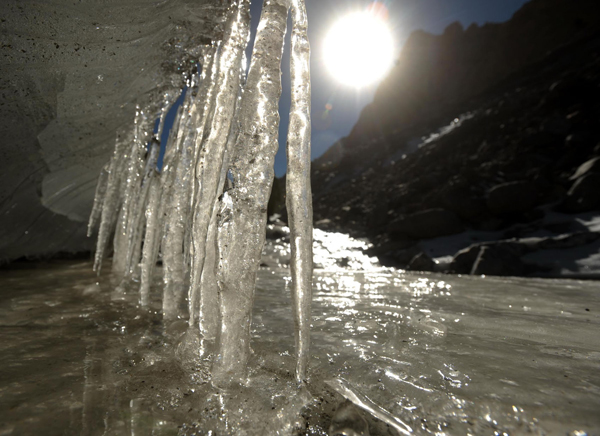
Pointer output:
x,y
429,353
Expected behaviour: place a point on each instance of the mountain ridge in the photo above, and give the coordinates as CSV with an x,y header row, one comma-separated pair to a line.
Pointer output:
x,y
516,109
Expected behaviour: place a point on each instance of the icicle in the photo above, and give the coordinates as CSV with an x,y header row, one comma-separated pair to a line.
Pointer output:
x,y
98,200
227,234
206,106
153,215
179,203
299,198
151,238
135,168
208,319
136,222
210,164
170,162
112,197
243,217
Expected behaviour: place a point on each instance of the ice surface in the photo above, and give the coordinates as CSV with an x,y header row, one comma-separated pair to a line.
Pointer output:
x,y
444,355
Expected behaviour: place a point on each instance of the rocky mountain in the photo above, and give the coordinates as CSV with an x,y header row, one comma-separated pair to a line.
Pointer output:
x,y
489,134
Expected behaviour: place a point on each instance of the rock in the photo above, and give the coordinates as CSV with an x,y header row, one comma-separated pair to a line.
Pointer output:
x,y
572,90
497,260
421,262
567,240
538,141
461,202
579,140
556,125
513,197
584,195
463,261
561,227
588,167
503,258
399,258
427,224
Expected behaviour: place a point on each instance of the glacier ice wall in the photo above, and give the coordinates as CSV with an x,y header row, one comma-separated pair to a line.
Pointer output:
x,y
71,77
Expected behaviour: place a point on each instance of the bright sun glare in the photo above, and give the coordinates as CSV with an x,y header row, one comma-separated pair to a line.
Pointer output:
x,y
359,49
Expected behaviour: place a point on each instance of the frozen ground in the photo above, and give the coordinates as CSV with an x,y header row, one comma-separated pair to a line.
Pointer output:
x,y
427,353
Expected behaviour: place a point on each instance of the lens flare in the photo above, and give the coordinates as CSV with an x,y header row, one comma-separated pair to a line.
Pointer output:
x,y
359,48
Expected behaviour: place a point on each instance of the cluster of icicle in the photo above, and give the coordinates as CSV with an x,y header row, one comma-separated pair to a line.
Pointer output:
x,y
205,212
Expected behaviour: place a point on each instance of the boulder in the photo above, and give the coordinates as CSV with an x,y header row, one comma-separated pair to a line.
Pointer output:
x,y
399,258
503,258
421,262
513,197
498,260
427,224
584,195
463,261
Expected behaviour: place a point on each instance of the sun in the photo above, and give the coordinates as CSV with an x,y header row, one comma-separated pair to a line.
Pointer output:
x,y
359,49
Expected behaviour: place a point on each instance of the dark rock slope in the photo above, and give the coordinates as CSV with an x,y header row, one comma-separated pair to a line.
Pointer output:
x,y
490,129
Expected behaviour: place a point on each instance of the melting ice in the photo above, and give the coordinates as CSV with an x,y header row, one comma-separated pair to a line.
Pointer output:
x,y
211,234
209,343
416,353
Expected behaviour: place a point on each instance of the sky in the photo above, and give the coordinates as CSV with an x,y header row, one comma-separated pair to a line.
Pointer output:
x,y
345,103
405,16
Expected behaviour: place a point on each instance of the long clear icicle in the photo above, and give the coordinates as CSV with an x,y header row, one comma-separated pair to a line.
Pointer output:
x,y
206,109
154,218
112,197
136,216
209,166
172,243
169,250
98,199
208,318
242,225
299,197
151,238
135,169
198,101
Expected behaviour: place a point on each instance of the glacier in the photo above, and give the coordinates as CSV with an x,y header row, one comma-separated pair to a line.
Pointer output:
x,y
206,341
